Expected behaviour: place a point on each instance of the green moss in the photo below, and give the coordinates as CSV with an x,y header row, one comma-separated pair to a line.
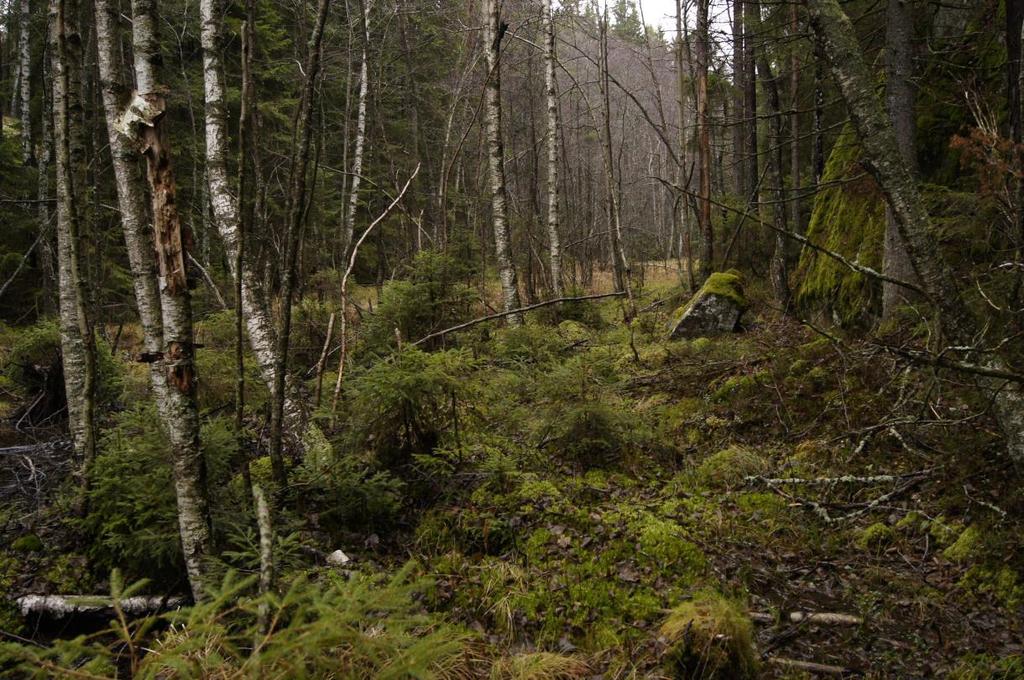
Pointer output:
x,y
967,547
848,218
27,543
728,468
1000,582
736,385
710,637
663,540
875,537
727,284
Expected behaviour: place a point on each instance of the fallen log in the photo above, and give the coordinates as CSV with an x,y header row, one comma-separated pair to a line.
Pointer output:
x,y
821,618
60,607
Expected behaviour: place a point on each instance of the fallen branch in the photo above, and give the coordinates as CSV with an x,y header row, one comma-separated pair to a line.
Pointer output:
x,y
65,606
209,281
845,479
809,666
939,361
821,618
21,265
520,310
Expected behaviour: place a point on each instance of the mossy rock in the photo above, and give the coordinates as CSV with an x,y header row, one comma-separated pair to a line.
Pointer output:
x,y
27,543
848,218
715,309
968,547
728,468
710,637
875,537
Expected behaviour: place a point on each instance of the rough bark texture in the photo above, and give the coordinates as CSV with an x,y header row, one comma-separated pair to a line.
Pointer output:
x,y
25,80
258,321
131,191
360,141
77,343
551,88
779,274
177,354
494,30
882,158
899,96
704,144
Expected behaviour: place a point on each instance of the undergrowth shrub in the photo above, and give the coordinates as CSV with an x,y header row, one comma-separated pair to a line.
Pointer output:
x,y
589,435
358,628
132,518
431,294
402,407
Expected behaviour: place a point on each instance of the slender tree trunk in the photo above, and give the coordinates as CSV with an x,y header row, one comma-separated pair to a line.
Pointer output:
x,y
886,163
779,275
551,87
704,144
360,141
259,323
738,99
494,31
899,95
145,117
751,23
293,237
794,123
246,209
818,133
25,81
78,349
45,162
683,211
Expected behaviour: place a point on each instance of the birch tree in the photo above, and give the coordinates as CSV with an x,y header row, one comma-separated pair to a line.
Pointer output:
x,y
551,89
25,80
78,350
494,31
360,140
143,121
225,208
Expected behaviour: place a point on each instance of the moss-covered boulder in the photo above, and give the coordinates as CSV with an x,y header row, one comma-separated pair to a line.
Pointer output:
x,y
849,219
716,308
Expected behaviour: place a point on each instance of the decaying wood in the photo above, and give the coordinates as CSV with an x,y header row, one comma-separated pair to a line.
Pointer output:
x,y
809,666
821,618
68,606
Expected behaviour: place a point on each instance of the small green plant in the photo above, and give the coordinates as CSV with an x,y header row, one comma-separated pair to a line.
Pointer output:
x,y
710,637
589,435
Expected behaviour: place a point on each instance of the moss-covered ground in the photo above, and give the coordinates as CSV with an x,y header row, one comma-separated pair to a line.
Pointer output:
x,y
589,499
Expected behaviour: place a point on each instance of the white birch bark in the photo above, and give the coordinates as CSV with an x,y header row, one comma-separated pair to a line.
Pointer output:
x,y
493,32
25,81
551,87
224,203
360,141
77,346
179,410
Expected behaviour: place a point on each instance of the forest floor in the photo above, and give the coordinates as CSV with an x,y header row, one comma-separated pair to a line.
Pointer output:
x,y
594,476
